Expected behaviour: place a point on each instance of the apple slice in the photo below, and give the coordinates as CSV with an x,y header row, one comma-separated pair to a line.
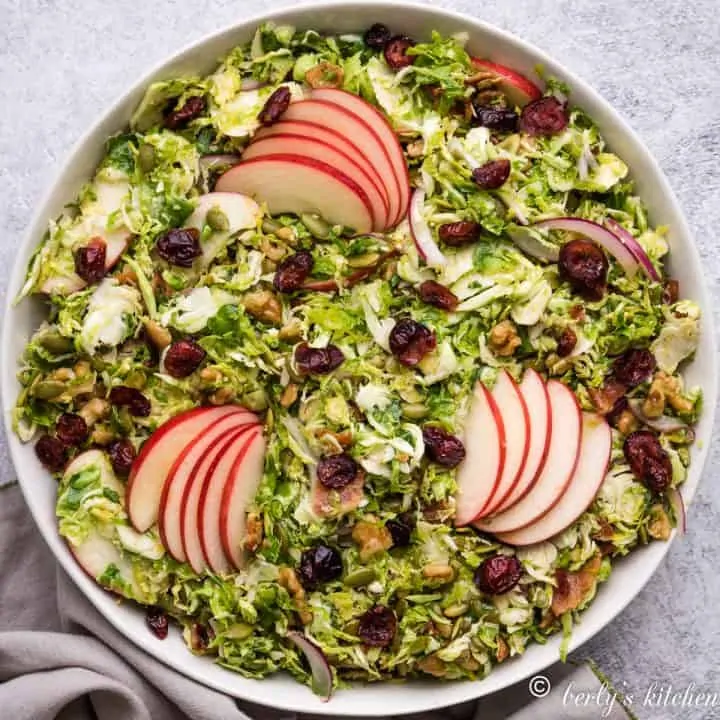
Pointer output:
x,y
182,472
376,121
516,421
479,474
348,124
207,516
297,184
320,150
558,470
156,457
239,490
518,89
595,448
331,137
217,459
537,402
242,213
96,553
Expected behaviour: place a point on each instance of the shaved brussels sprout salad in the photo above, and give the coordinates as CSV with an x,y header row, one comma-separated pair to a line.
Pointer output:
x,y
155,308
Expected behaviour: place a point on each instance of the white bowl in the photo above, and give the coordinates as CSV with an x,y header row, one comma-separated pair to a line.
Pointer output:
x,y
281,691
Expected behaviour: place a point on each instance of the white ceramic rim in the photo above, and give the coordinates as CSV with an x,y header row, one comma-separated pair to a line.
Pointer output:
x,y
385,699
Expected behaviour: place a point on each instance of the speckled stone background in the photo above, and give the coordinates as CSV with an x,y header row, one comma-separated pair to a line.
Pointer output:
x,y
657,62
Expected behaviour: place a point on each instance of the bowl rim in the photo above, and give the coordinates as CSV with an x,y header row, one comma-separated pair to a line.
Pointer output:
x,y
442,694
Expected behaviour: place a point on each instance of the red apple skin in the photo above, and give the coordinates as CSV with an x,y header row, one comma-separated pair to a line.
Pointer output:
x,y
373,117
297,184
349,124
477,477
204,469
537,402
143,490
320,150
595,451
517,87
516,421
331,137
238,490
557,472
181,472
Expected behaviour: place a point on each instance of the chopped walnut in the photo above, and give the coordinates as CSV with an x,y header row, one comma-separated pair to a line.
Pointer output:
x,y
289,580
654,404
254,532
271,251
438,571
264,306
606,531
287,234
627,422
415,149
210,376
222,396
502,651
343,439
372,539
127,277
504,339
659,526
432,665
325,74
94,410
101,435
467,662
291,331
289,395
672,389
573,588
159,336
604,398
82,368
61,375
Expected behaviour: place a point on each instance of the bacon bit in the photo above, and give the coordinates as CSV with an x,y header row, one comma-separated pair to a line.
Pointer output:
x,y
574,587
329,503
604,398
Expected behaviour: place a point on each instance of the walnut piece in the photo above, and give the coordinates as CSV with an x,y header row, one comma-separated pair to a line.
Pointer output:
x,y
254,532
504,339
372,539
264,306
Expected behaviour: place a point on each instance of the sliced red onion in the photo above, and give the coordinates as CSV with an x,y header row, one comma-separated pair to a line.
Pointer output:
x,y
420,230
677,504
662,424
208,162
634,247
322,678
598,234
532,246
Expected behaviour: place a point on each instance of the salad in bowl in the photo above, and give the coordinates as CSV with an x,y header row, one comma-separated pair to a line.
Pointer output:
x,y
360,361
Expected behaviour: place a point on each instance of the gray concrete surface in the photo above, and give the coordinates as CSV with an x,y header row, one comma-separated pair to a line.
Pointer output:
x,y
61,62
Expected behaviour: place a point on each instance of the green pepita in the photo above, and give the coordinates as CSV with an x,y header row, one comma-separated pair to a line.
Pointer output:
x,y
414,411
56,343
146,157
361,576
270,227
48,389
364,261
455,610
316,225
217,219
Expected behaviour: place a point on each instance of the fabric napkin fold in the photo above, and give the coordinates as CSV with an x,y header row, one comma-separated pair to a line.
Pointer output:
x,y
60,660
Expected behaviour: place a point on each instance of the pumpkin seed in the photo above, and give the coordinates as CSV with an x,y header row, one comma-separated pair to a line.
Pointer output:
x,y
217,219
48,389
361,576
146,157
414,411
316,225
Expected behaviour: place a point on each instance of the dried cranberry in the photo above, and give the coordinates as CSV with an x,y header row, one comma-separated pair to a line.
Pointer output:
x,y
620,406
201,636
71,429
193,107
459,233
401,529
498,574
648,460
122,455
183,358
51,453
179,246
90,260
319,564
410,341
395,52
495,118
275,106
337,471
377,626
293,271
566,342
317,361
442,447
633,367
433,293
584,265
132,399
546,116
376,36
157,621
671,292
492,175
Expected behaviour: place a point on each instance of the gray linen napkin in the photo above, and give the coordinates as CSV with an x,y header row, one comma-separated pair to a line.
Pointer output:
x,y
60,660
